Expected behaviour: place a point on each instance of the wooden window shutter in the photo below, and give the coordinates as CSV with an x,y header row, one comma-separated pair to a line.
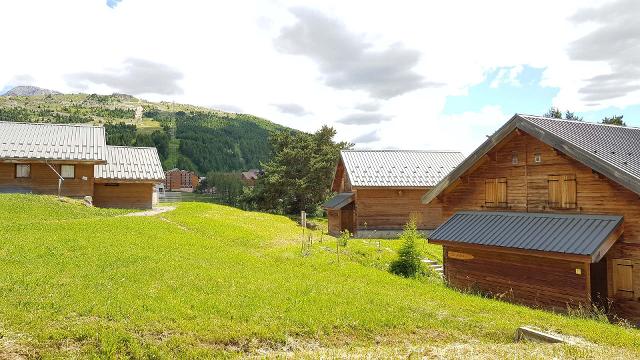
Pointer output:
x,y
501,192
490,195
623,279
555,191
569,191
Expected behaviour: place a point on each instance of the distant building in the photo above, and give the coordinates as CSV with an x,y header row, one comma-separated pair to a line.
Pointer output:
x,y
181,180
378,191
75,161
250,177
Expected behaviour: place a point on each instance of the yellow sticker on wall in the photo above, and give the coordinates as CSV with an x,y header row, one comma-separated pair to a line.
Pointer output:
x,y
459,255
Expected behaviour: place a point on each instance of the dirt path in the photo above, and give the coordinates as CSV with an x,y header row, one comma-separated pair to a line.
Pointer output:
x,y
138,115
152,212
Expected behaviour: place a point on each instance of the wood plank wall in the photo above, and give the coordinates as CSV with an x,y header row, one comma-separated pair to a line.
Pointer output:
x,y
391,209
44,181
529,280
527,190
124,195
334,222
385,208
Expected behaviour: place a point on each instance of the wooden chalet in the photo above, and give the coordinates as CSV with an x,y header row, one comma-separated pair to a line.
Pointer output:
x,y
379,190
546,212
75,161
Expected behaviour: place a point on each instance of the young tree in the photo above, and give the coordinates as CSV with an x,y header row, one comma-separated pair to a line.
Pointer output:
x,y
298,176
614,120
409,260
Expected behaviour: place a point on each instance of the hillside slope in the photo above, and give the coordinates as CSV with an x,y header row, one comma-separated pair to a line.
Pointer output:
x,y
207,280
187,136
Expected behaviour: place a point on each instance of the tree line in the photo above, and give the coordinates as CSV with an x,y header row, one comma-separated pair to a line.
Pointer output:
x,y
297,176
121,134
556,113
21,114
214,142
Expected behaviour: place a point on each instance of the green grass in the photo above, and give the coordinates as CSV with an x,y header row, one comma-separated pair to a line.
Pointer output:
x,y
379,253
207,280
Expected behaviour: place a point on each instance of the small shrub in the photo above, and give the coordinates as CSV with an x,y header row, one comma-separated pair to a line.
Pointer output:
x,y
409,261
345,235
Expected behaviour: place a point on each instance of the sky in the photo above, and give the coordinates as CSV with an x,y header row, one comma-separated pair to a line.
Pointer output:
x,y
387,75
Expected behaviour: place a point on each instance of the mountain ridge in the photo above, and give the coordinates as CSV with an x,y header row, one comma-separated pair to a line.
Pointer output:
x,y
187,136
28,90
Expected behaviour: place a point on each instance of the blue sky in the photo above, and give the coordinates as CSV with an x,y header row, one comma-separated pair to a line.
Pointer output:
x,y
5,88
518,90
521,94
113,3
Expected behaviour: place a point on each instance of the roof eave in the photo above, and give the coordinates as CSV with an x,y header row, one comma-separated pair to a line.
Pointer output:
x,y
540,253
467,163
403,187
54,161
114,180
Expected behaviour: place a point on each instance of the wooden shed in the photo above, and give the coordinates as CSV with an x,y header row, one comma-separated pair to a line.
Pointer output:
x,y
127,179
547,213
379,190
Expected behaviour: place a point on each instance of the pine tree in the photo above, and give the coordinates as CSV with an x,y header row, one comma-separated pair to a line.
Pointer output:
x,y
409,259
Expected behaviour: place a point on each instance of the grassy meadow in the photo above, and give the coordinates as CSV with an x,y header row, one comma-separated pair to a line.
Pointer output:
x,y
208,281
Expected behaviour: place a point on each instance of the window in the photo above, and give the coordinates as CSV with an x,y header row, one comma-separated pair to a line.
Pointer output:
x,y
623,279
68,171
537,157
23,170
562,192
514,158
495,192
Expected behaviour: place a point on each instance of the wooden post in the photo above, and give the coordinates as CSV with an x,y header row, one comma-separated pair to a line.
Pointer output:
x,y
303,223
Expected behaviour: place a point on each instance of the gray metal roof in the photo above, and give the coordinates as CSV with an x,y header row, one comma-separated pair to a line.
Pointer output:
x,y
616,145
54,142
613,151
398,168
561,233
131,163
339,201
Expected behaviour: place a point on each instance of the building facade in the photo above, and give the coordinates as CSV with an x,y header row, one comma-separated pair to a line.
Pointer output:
x,y
546,213
75,161
181,180
378,191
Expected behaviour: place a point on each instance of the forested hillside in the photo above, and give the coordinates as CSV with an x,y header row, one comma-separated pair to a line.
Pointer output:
x,y
189,137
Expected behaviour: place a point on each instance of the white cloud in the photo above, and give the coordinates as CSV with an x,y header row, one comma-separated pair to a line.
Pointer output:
x,y
508,76
134,77
226,55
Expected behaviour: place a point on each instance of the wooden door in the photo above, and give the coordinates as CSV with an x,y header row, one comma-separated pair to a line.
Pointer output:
x,y
347,221
599,287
